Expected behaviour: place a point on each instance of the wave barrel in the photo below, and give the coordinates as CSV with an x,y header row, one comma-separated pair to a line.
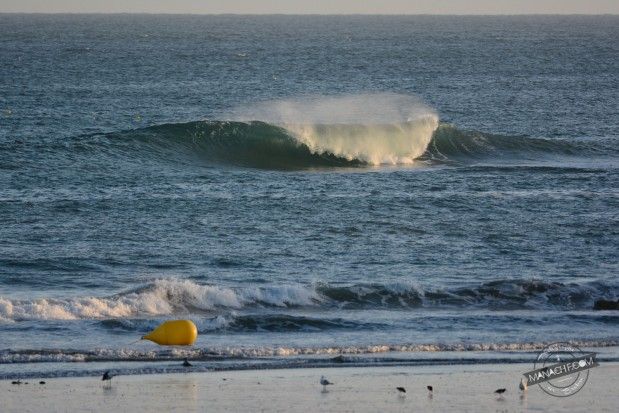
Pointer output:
x,y
174,333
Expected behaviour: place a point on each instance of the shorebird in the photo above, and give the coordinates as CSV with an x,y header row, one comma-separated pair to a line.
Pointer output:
x,y
186,363
107,376
401,391
325,383
430,392
500,391
524,384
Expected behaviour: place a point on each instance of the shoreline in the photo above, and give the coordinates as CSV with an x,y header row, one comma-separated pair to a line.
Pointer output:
x,y
456,388
210,362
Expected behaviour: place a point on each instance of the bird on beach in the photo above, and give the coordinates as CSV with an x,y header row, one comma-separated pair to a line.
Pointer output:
x,y
325,383
186,363
524,384
107,376
500,391
430,392
401,391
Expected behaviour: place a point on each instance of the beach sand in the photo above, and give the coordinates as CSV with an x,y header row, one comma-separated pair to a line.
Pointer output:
x,y
362,389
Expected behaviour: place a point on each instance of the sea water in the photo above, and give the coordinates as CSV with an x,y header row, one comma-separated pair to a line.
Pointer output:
x,y
308,190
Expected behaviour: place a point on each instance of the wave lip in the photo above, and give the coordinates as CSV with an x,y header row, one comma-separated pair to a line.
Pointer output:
x,y
372,128
388,144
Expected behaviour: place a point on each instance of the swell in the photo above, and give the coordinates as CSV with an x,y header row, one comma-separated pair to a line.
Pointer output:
x,y
450,144
292,146
248,144
182,297
269,146
255,144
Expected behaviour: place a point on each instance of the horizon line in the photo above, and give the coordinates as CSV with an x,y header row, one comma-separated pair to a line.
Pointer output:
x,y
300,14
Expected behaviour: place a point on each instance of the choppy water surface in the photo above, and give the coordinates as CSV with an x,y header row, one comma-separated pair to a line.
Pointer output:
x,y
384,189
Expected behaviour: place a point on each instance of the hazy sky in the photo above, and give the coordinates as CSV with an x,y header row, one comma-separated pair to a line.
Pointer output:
x,y
316,6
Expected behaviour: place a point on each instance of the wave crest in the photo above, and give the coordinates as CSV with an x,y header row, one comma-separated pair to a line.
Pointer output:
x,y
421,141
375,129
450,144
162,297
394,144
172,296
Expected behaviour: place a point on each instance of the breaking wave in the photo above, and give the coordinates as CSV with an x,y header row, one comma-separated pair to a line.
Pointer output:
x,y
262,145
373,129
423,141
176,297
321,132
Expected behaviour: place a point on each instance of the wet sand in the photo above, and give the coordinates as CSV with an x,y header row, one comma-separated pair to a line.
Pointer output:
x,y
372,389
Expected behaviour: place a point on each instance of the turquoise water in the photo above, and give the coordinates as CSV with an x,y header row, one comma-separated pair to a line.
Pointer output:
x,y
305,187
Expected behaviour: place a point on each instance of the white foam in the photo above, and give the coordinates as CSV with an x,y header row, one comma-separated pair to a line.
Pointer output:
x,y
177,296
162,297
379,129
394,144
127,354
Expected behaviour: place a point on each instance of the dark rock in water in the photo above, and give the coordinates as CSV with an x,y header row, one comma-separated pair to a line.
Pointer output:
x,y
41,382
606,305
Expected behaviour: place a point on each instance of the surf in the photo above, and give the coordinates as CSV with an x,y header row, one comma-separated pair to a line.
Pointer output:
x,y
166,297
355,131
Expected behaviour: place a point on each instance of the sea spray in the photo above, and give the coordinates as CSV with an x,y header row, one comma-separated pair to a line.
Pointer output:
x,y
376,129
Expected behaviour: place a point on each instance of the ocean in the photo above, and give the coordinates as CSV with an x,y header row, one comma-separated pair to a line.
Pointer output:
x,y
309,190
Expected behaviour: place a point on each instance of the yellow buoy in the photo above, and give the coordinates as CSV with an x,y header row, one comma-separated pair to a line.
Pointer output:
x,y
174,333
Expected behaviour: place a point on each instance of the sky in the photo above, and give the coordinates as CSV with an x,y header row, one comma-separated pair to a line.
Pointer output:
x,y
315,6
